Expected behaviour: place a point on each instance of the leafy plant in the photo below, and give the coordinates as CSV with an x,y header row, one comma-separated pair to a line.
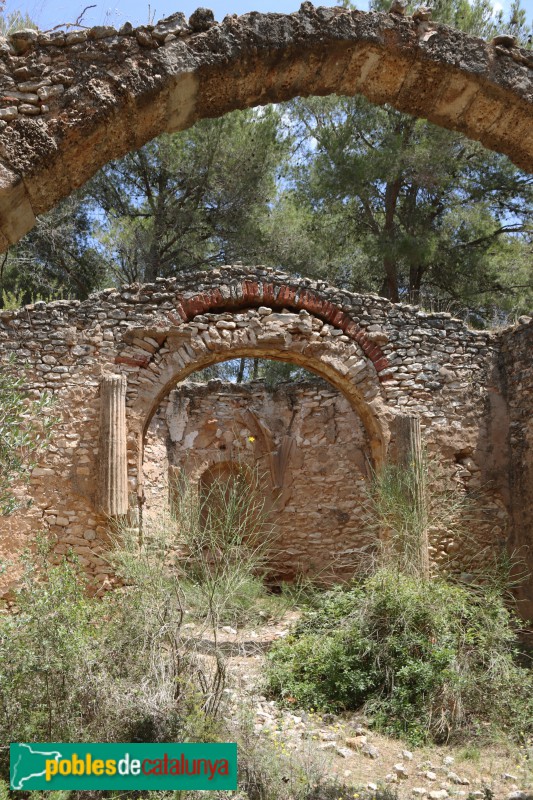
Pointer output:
x,y
26,425
126,668
428,660
45,655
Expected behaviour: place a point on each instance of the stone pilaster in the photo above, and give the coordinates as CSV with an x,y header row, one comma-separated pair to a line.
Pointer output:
x,y
113,463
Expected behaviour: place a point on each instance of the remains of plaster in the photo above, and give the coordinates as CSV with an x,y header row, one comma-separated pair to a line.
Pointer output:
x,y
384,359
72,101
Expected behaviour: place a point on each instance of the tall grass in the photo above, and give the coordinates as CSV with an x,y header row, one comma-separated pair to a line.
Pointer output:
x,y
426,659
126,668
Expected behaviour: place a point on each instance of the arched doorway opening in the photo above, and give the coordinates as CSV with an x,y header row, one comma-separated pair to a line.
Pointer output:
x,y
306,445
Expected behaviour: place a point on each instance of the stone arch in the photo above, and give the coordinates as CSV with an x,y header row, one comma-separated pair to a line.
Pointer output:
x,y
246,313
335,356
386,359
202,476
72,120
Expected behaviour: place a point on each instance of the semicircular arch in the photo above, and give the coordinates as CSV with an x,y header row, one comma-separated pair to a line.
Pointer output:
x,y
143,83
301,339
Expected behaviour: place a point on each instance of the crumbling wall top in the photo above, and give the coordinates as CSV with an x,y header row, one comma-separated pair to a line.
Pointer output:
x,y
72,101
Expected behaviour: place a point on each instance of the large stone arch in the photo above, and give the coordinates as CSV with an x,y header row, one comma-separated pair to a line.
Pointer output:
x,y
244,320
110,359
72,102
337,356
183,339
283,337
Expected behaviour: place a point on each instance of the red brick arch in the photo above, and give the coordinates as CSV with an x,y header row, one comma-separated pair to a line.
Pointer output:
x,y
252,294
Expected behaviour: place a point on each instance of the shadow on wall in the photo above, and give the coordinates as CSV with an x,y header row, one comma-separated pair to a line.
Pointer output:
x,y
307,443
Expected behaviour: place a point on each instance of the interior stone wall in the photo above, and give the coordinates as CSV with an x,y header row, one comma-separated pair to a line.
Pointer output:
x,y
319,506
322,513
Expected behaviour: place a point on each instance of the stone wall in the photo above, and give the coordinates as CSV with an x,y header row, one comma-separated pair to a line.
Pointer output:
x,y
71,101
318,486
516,370
323,511
384,359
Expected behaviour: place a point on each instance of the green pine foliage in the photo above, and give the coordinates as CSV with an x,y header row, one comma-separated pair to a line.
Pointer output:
x,y
189,200
333,188
376,200
382,212
58,258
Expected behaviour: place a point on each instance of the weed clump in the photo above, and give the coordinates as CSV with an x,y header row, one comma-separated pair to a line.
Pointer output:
x,y
428,660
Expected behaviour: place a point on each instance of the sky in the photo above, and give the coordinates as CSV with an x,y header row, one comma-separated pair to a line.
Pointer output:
x,y
48,13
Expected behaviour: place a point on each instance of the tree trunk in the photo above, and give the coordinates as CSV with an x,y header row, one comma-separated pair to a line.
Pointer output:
x,y
240,373
392,192
416,272
390,282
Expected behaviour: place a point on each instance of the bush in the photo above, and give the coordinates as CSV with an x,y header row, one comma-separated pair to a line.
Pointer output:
x,y
75,668
45,657
425,659
125,668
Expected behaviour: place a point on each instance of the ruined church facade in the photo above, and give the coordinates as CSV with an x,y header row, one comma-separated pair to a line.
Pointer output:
x,y
112,360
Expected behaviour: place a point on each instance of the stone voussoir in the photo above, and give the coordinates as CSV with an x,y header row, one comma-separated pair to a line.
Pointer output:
x,y
144,82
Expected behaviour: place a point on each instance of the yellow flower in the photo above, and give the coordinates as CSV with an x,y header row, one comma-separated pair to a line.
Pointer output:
x,y
251,438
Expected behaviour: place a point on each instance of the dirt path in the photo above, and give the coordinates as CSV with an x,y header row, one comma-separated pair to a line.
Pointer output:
x,y
359,757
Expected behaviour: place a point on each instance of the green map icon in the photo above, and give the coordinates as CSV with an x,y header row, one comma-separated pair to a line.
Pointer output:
x,y
102,766
28,764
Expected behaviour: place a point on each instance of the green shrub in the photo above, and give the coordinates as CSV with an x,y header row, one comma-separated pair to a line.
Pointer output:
x,y
74,668
426,659
124,668
45,655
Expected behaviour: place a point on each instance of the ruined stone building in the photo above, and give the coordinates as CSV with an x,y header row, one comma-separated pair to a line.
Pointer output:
x,y
73,101
113,359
